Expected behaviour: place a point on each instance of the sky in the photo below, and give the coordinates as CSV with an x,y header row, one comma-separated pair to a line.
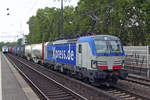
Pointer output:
x,y
13,26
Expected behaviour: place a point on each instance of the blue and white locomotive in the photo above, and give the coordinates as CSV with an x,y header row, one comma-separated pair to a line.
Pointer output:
x,y
98,59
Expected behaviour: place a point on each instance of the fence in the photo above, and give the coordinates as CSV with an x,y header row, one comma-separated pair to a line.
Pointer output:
x,y
137,60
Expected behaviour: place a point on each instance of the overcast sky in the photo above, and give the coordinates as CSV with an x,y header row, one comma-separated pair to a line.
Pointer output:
x,y
14,25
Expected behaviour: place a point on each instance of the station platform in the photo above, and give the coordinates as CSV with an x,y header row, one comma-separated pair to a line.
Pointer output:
x,y
12,85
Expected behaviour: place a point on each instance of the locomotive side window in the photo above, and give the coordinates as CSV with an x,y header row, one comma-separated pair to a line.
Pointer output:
x,y
80,48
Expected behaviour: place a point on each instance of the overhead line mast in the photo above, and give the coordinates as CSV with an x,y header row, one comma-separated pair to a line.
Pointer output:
x,y
62,20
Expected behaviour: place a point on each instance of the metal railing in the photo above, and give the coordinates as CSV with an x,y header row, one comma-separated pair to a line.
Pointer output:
x,y
137,60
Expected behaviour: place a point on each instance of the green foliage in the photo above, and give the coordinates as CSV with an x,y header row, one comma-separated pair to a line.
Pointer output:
x,y
1,44
19,41
127,19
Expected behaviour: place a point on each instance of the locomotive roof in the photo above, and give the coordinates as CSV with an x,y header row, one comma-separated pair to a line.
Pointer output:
x,y
109,37
98,37
85,39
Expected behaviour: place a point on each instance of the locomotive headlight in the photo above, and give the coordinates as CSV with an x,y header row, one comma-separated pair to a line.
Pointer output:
x,y
94,64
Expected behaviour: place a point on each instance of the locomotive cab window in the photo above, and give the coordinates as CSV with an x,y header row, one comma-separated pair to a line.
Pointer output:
x,y
80,48
101,46
115,46
109,46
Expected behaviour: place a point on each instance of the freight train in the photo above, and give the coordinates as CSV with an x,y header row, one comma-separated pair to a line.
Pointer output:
x,y
96,59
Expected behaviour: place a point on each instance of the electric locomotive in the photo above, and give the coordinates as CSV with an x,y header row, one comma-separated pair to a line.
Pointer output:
x,y
5,49
96,59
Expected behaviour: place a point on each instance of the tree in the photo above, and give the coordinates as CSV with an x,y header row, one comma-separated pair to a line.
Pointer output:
x,y
127,19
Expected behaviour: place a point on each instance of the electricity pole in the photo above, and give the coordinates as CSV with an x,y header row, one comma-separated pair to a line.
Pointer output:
x,y
62,20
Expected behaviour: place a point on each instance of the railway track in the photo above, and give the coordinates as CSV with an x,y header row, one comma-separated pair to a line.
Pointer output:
x,y
135,91
141,81
119,93
124,95
48,88
137,81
